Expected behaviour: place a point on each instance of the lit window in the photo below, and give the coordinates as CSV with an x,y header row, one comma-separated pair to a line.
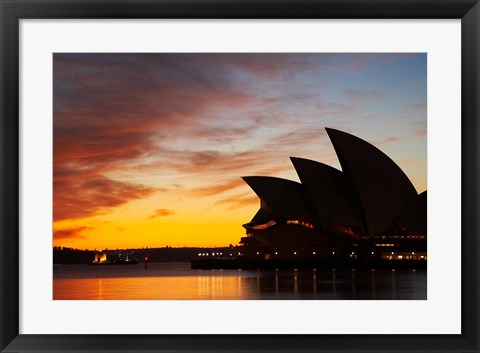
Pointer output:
x,y
304,224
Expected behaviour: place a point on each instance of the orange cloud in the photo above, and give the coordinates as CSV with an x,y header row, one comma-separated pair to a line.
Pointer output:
x,y
161,212
69,233
78,198
219,188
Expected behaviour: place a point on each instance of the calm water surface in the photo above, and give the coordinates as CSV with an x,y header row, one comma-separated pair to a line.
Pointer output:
x,y
178,281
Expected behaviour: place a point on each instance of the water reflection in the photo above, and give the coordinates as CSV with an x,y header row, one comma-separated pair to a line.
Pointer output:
x,y
168,281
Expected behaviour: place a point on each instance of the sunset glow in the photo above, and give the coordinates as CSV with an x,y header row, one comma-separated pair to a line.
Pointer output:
x,y
149,149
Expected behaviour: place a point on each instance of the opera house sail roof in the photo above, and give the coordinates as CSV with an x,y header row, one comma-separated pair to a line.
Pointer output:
x,y
328,188
369,196
285,199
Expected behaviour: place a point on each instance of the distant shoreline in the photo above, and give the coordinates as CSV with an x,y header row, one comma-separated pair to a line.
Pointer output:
x,y
67,256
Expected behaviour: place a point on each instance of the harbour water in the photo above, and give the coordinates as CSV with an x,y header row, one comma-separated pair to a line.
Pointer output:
x,y
176,281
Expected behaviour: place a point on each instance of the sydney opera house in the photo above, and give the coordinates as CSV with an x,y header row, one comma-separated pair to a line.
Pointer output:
x,y
367,210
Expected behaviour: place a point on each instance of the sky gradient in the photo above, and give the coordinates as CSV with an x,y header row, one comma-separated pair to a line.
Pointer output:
x,y
149,149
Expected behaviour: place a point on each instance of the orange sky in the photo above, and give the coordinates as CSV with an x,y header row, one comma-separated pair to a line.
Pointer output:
x,y
149,149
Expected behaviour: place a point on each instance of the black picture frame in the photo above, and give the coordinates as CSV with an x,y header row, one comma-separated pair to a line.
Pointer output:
x,y
12,11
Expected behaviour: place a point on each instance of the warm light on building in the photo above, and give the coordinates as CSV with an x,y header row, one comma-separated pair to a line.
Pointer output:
x,y
100,258
264,225
300,223
404,256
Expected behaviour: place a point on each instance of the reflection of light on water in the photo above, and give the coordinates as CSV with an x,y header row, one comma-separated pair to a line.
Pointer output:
x,y
202,286
100,290
212,287
147,288
177,283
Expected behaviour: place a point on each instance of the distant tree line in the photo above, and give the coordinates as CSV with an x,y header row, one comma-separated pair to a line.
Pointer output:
x,y
63,255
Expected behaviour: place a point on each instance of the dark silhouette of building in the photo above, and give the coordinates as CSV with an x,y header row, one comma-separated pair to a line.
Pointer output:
x,y
369,210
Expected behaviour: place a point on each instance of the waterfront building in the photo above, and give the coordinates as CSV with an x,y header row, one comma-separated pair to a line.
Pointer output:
x,y
368,210
100,258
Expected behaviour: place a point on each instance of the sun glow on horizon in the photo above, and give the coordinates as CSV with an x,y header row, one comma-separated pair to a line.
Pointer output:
x,y
149,149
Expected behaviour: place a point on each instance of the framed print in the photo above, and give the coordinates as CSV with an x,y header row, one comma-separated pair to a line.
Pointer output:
x,y
226,176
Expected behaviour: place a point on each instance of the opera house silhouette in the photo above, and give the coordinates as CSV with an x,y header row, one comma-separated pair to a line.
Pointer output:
x,y
369,210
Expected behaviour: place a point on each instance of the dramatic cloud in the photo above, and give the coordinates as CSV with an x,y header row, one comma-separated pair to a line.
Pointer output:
x,y
69,233
187,127
77,198
219,188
